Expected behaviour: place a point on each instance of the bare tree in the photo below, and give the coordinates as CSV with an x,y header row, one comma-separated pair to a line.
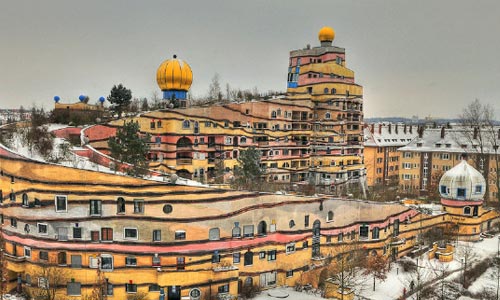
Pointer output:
x,y
214,89
156,100
377,266
51,281
347,267
480,132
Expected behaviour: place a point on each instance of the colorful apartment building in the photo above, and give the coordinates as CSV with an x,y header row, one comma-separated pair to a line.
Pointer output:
x,y
436,150
381,155
172,242
311,135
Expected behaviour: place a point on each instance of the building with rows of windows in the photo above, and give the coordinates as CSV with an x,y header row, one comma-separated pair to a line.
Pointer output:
x,y
311,135
126,235
172,241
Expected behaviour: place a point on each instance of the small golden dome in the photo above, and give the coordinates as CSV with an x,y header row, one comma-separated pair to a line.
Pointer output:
x,y
174,74
326,34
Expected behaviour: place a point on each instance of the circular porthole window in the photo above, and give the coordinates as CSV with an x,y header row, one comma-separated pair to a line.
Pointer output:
x,y
195,294
167,208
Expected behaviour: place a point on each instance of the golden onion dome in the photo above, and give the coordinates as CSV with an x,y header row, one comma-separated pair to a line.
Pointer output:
x,y
326,34
174,74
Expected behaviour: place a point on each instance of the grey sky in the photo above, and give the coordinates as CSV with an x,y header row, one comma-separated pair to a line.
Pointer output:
x,y
412,57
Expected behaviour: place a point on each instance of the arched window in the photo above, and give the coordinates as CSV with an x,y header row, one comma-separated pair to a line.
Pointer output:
x,y
329,217
328,116
248,261
467,210
326,91
248,281
291,224
25,200
120,205
333,91
214,234
185,124
262,228
243,140
273,114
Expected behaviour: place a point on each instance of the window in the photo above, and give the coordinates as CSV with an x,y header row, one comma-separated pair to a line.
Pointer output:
x,y
152,124
222,289
375,233
236,257
109,289
340,237
43,283
214,234
106,262
215,257
290,248
305,245
443,190
363,231
396,227
43,255
248,230
27,252
167,208
130,233
95,236
248,259
291,224
156,235
306,221
106,234
25,200
461,192
154,288
271,255
61,203
289,273
156,261
74,289
76,261
131,288
13,222
262,254
61,258
181,263
120,205
467,210
12,196
236,232
185,124
478,189
329,217
130,261
180,235
42,228
95,207
77,232
138,206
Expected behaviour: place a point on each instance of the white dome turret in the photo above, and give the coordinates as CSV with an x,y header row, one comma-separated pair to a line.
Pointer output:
x,y
462,182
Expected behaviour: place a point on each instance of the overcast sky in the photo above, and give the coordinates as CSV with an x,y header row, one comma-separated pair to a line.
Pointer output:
x,y
412,57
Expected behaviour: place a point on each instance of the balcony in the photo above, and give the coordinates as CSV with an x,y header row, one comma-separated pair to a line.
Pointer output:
x,y
263,143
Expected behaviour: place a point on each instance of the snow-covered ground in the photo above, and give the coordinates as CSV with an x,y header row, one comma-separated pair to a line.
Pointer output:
x,y
397,280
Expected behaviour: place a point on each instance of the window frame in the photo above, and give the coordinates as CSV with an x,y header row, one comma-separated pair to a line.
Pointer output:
x,y
56,199
130,238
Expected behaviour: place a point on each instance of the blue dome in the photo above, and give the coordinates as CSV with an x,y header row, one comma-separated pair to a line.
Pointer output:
x,y
57,98
82,97
102,99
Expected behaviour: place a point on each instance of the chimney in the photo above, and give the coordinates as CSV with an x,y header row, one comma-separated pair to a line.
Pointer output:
x,y
420,131
411,129
372,128
390,128
396,129
404,129
476,130
380,128
499,134
442,132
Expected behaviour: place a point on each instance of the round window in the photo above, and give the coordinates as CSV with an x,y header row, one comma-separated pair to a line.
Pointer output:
x,y
195,294
167,208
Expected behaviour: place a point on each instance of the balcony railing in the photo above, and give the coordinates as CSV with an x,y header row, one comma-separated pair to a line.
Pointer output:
x,y
184,161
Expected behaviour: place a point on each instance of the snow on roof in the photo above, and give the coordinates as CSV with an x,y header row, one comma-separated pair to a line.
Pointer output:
x,y
389,135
